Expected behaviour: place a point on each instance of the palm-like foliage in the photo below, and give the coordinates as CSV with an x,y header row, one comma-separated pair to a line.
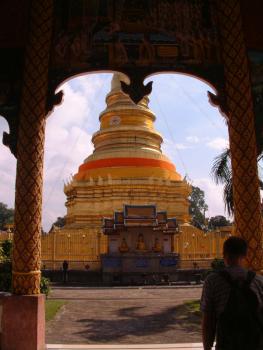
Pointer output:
x,y
222,174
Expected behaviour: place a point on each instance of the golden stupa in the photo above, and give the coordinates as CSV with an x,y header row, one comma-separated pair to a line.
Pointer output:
x,y
127,167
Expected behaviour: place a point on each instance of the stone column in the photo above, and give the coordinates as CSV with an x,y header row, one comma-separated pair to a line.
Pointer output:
x,y
30,151
239,104
23,322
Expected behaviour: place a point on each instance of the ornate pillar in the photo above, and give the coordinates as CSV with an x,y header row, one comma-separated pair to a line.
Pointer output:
x,y
26,303
30,151
248,219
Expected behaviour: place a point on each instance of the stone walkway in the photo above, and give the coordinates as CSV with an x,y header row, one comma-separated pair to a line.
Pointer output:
x,y
184,346
124,316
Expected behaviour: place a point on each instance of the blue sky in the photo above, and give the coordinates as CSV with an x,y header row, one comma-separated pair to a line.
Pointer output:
x,y
194,134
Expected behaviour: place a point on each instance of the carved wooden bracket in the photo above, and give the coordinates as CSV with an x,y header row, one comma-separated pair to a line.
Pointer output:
x,y
136,90
10,140
9,110
9,102
219,101
54,100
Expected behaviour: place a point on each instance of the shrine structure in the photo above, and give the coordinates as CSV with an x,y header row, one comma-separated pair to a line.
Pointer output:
x,y
43,43
141,243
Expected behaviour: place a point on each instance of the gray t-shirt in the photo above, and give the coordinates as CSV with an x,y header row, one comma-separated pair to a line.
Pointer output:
x,y
216,289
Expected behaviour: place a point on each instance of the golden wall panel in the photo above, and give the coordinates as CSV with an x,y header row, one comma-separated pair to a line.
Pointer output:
x,y
82,247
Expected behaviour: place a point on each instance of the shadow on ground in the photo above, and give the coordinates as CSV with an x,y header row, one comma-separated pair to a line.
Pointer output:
x,y
131,322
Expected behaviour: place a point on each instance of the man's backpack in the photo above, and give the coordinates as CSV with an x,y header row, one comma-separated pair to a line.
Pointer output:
x,y
239,327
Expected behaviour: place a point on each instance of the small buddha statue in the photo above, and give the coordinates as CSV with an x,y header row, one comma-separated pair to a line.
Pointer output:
x,y
123,248
140,243
157,248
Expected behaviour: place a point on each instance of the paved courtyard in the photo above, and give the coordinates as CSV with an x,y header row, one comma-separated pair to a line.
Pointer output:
x,y
124,316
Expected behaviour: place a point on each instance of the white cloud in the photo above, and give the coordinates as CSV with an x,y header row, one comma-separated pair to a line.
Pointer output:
x,y
181,84
7,186
213,196
192,139
174,152
218,143
67,141
7,170
171,146
180,146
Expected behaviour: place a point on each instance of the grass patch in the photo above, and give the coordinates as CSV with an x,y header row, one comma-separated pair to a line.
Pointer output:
x,y
193,306
188,316
52,307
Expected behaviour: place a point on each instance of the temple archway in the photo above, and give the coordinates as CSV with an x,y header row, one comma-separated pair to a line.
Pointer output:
x,y
49,41
65,146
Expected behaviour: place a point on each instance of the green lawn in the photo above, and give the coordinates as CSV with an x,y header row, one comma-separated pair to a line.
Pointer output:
x,y
188,315
193,306
52,307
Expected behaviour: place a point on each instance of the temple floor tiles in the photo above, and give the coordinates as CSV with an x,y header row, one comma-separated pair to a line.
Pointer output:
x,y
133,316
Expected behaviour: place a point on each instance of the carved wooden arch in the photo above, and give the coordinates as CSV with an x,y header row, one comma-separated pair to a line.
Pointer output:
x,y
203,38
138,38
137,89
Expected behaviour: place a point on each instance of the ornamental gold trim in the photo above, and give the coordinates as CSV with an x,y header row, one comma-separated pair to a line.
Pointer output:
x,y
26,273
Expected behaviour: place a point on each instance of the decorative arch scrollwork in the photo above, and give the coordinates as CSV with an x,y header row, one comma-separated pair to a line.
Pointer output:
x,y
9,110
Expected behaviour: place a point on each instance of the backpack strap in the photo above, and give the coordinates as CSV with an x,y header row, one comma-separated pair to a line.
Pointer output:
x,y
233,283
250,276
227,277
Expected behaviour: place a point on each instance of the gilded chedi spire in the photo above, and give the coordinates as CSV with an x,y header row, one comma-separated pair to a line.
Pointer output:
x,y
127,145
126,167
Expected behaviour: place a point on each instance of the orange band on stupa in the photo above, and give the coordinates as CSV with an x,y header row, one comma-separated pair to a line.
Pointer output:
x,y
129,162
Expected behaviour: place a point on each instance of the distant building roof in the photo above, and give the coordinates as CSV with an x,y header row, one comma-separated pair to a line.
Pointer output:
x,y
138,216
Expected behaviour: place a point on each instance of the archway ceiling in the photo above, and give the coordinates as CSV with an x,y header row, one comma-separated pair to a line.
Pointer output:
x,y
137,37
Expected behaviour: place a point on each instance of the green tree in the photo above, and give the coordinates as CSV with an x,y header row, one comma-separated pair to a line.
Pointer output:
x,y
60,222
6,249
197,207
218,221
5,266
222,174
6,215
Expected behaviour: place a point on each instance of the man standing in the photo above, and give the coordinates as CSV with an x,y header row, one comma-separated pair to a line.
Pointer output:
x,y
65,271
232,303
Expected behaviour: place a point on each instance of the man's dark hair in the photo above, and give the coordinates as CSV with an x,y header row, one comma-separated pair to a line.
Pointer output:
x,y
235,247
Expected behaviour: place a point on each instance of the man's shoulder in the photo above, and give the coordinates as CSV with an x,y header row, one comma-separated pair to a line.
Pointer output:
x,y
214,280
259,279
257,287
213,276
214,293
